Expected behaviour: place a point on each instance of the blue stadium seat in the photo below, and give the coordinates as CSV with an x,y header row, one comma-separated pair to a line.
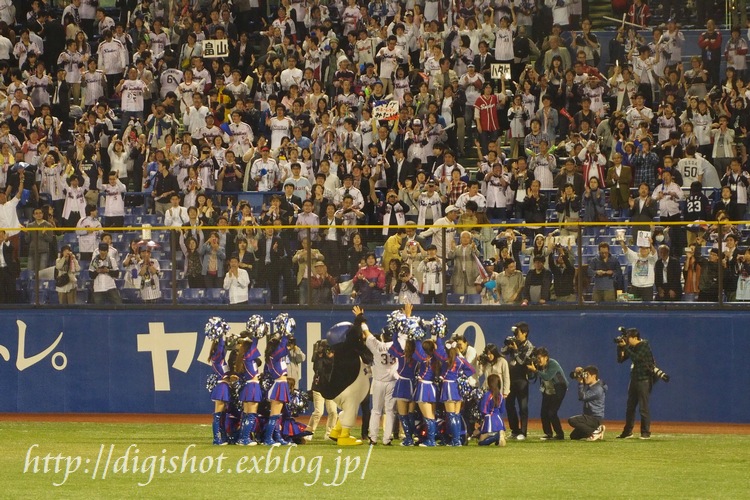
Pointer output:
x,y
258,296
130,296
344,277
191,295
166,296
166,278
473,299
379,251
344,300
216,296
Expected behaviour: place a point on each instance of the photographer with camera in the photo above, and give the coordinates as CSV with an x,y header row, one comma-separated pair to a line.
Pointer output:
x,y
554,386
519,350
322,366
631,346
591,391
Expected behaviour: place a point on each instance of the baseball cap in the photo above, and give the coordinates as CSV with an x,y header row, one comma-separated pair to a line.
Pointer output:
x,y
319,263
452,208
103,247
416,122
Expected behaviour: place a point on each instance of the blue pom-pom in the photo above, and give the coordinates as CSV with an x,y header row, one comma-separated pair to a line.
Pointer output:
x,y
211,382
414,329
284,325
439,325
464,388
337,333
298,403
216,328
490,285
263,171
257,327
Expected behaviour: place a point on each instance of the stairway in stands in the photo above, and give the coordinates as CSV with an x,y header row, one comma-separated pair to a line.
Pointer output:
x,y
597,9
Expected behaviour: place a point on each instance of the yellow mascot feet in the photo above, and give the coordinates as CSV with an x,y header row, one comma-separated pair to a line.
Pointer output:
x,y
335,432
346,440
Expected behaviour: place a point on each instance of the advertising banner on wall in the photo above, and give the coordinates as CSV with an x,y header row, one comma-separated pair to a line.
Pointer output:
x,y
146,361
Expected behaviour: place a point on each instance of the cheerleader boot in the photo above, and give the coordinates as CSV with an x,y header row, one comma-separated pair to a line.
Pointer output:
x,y
248,425
277,437
455,427
431,430
346,440
336,431
220,436
412,418
408,440
268,430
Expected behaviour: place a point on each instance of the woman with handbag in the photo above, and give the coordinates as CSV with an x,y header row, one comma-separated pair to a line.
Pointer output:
x,y
66,268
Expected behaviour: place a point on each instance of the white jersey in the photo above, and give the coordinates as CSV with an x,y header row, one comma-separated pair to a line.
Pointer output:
x,y
169,80
93,86
185,93
132,95
691,168
384,366
280,128
113,57
388,61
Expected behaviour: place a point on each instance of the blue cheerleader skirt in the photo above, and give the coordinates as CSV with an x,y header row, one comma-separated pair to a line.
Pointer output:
x,y
492,423
251,392
449,391
291,428
220,392
404,389
279,391
425,392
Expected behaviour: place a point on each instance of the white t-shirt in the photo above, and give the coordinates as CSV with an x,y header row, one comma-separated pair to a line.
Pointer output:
x,y
132,95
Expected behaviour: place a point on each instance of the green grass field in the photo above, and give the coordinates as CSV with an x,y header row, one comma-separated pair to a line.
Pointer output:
x,y
667,466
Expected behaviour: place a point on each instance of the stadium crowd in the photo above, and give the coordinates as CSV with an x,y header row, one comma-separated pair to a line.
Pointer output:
x,y
358,114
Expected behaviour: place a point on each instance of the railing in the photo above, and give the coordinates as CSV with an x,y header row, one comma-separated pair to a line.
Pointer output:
x,y
578,242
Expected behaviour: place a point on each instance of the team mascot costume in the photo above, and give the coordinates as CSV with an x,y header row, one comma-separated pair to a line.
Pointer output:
x,y
349,382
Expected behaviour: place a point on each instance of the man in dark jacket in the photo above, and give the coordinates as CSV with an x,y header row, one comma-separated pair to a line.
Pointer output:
x,y
9,270
667,276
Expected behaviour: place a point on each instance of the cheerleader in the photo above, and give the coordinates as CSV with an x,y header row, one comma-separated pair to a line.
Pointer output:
x,y
453,365
220,392
425,396
277,356
403,392
246,363
492,406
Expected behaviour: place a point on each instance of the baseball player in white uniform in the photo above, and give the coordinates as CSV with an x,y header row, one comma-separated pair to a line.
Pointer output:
x,y
383,381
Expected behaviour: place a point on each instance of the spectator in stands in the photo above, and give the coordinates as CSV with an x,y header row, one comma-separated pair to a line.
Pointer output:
x,y
131,265
270,256
510,283
304,271
10,269
710,44
563,272
667,276
39,241
444,247
103,271
465,257
431,271
538,283
165,185
193,266
738,182
729,263
213,256
369,281
149,273
643,208
534,206
236,281
66,265
569,175
619,178
604,272
176,215
321,284
669,194
642,270
114,201
87,239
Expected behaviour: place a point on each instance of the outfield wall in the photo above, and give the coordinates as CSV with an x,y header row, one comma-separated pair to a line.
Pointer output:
x,y
149,361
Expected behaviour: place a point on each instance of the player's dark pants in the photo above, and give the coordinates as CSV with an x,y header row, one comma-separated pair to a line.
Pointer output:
x,y
366,408
550,406
639,392
583,426
519,392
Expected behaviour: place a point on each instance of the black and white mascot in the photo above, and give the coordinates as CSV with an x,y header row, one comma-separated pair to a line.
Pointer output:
x,y
349,380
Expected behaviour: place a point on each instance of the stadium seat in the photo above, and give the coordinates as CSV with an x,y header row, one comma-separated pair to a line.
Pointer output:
x,y
130,295
258,296
191,295
379,251
216,296
344,300
473,299
166,296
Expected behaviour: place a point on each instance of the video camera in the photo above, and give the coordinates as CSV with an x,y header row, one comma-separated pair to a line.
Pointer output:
x,y
579,374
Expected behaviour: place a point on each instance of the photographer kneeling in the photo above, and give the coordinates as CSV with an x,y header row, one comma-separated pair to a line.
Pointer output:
x,y
553,385
591,391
